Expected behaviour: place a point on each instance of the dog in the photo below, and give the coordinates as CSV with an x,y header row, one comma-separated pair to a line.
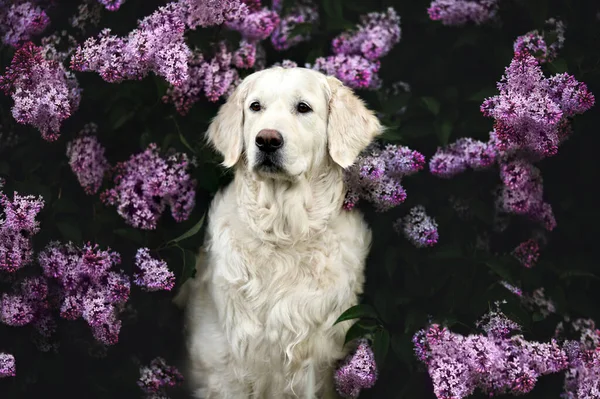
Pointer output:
x,y
282,260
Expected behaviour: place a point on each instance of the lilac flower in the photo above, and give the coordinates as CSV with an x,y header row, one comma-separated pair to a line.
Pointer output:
x,y
357,372
7,365
256,25
418,228
152,274
515,290
188,93
88,287
286,64
376,35
158,376
495,363
112,5
535,44
20,21
157,45
147,183
44,93
87,14
302,12
527,253
457,157
530,109
245,56
582,379
16,229
376,175
522,193
459,12
27,302
219,78
212,12
353,70
87,160
537,301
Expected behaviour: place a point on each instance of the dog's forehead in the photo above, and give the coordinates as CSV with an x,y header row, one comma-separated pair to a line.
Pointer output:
x,y
293,83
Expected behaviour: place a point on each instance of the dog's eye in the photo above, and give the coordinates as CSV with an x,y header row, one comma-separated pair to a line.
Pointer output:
x,y
255,106
303,108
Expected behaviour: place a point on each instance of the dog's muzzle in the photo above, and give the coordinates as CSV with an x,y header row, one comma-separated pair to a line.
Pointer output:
x,y
268,142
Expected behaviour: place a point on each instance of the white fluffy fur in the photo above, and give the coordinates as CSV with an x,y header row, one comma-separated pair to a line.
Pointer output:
x,y
281,260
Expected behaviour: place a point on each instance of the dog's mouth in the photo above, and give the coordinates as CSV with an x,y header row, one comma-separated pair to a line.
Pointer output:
x,y
268,164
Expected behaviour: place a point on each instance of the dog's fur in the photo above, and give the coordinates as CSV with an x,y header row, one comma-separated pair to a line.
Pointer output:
x,y
282,259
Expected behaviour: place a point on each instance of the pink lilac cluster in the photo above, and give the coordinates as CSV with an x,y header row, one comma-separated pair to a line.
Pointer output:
x,y
112,5
535,302
89,286
29,303
87,14
87,160
459,12
152,274
157,377
17,226
531,112
494,362
302,12
44,93
245,56
214,78
376,176
148,182
377,33
20,21
7,365
157,45
527,253
522,193
357,372
203,13
582,379
356,54
535,43
256,25
460,155
420,229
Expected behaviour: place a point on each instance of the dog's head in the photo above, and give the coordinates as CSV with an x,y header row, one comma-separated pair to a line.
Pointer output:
x,y
288,121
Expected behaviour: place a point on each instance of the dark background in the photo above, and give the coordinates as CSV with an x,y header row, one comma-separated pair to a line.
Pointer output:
x,y
455,282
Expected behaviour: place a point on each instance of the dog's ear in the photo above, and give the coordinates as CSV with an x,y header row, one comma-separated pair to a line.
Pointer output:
x,y
225,131
351,126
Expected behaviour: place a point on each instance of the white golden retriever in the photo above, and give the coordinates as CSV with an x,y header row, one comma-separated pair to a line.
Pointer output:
x,y
282,259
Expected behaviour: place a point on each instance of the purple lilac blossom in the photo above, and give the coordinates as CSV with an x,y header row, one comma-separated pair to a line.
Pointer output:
x,y
353,70
495,362
205,13
255,26
457,157
111,5
527,253
418,228
535,44
87,160
157,45
88,286
188,93
219,78
20,21
26,304
522,193
152,274
7,365
302,12
17,226
377,33
157,376
529,112
245,56
44,93
582,379
515,290
459,12
147,183
376,176
87,14
537,301
357,372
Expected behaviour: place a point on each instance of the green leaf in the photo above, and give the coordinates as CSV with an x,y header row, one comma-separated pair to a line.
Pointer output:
x,y
483,94
443,132
191,232
558,66
431,104
65,205
358,330
356,312
70,232
186,143
578,273
122,120
498,266
189,265
381,344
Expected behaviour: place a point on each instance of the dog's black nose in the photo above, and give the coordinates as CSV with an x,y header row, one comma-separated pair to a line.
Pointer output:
x,y
269,140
